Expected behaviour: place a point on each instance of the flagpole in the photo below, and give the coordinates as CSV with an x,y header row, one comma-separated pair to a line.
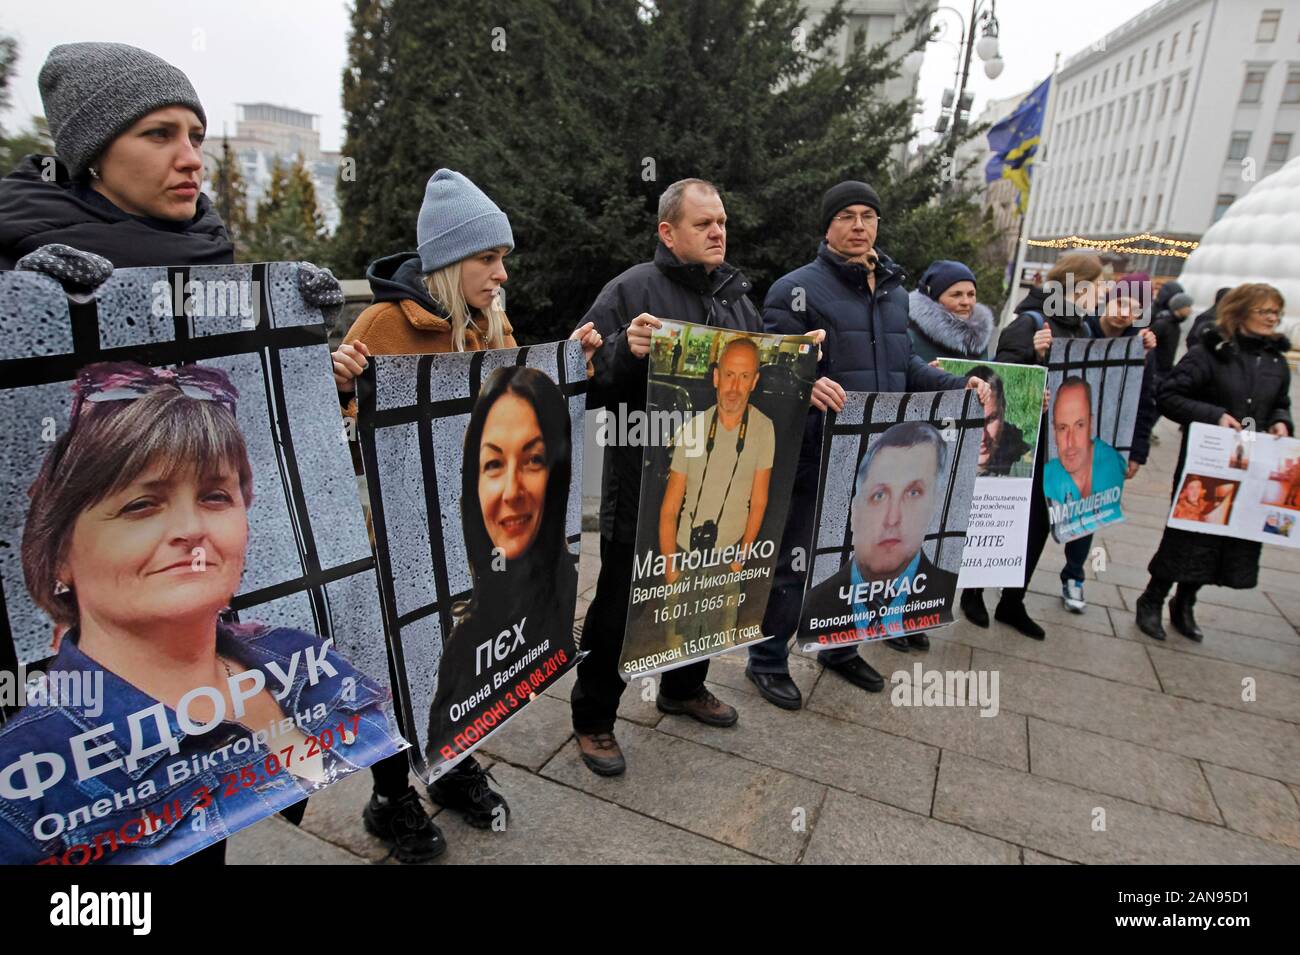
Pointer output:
x,y
1022,239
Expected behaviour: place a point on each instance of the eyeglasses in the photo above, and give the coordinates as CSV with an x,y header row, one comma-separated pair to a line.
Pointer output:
x,y
1267,312
865,218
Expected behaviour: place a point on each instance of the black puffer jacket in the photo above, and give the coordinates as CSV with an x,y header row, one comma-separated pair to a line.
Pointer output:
x,y
666,288
36,212
1244,376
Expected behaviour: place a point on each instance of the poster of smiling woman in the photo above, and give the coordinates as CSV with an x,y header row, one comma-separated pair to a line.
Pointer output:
x,y
898,475
726,415
188,599
1094,387
474,471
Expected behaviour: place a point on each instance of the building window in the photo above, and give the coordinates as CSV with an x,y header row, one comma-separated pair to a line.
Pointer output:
x,y
1291,92
1191,37
1137,160
1160,48
1128,70
1239,145
1155,150
1169,154
1160,201
1221,206
1280,148
1164,96
1182,93
1173,47
1268,22
1103,81
1254,86
1128,211
1142,211
1115,80
1142,64
1123,164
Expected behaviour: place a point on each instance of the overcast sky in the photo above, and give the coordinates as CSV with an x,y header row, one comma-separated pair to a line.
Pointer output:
x,y
292,52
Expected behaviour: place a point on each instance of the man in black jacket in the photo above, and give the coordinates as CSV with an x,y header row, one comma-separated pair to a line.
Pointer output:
x,y
688,280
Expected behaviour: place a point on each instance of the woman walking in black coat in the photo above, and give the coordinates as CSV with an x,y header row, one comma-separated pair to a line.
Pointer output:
x,y
1238,379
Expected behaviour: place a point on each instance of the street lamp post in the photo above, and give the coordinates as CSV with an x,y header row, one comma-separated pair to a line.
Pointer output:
x,y
987,49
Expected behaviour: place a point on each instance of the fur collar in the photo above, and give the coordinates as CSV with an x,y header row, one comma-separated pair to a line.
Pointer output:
x,y
969,338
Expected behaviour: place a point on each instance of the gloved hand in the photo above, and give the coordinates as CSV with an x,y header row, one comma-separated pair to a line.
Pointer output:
x,y
83,271
318,286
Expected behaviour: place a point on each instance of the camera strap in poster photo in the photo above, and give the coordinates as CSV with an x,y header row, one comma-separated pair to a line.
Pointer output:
x,y
898,475
1094,388
188,590
726,413
474,476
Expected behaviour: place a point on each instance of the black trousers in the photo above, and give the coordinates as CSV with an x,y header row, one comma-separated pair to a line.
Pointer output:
x,y
599,686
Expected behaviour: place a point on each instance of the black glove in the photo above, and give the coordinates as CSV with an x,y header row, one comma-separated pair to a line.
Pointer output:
x,y
318,286
83,271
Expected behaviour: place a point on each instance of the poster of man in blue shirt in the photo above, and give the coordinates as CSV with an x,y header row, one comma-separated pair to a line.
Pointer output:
x,y
1085,481
889,586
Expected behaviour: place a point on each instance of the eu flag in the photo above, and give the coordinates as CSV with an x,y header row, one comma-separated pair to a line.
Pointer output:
x,y
1014,142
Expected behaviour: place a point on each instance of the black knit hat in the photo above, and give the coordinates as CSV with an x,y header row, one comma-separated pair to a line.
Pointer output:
x,y
848,193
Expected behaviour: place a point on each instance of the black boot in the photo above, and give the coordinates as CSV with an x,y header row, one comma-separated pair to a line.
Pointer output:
x,y
1014,615
1148,616
1180,615
972,605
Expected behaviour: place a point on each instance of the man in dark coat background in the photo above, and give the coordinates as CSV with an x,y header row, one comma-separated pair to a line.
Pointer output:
x,y
854,293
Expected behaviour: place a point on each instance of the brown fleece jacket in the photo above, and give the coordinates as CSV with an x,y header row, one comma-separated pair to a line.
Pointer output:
x,y
404,328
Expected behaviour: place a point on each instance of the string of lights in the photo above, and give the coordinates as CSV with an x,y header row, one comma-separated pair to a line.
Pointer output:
x,y
1179,248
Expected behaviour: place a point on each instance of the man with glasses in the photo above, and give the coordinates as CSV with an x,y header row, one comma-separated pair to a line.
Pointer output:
x,y
854,293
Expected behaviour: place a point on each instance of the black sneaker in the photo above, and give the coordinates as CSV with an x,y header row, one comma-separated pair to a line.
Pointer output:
x,y
404,825
466,789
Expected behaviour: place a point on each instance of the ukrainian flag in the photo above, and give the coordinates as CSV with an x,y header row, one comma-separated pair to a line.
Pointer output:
x,y
1014,142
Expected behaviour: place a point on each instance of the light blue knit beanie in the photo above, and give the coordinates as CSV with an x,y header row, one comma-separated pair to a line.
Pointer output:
x,y
457,220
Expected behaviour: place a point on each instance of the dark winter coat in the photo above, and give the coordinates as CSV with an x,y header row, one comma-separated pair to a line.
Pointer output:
x,y
938,333
35,212
1016,343
867,346
665,288
1168,328
1248,378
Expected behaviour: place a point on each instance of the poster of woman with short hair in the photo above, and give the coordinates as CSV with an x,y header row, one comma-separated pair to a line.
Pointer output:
x,y
187,582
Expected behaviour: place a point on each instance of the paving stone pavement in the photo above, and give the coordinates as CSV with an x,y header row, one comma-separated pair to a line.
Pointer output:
x,y
1106,746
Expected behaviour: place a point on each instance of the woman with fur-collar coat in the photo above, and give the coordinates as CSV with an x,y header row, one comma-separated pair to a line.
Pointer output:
x,y
944,320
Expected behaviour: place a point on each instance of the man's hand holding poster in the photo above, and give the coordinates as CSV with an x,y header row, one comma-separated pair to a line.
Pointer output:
x,y
1240,484
726,416
1094,386
999,518
898,476
474,472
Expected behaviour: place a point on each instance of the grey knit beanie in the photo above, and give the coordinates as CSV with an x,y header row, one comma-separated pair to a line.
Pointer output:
x,y
456,220
94,91
1181,300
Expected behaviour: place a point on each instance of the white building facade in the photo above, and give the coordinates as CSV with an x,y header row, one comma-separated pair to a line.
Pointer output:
x,y
1167,121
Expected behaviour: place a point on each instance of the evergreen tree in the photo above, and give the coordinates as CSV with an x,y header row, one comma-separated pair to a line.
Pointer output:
x,y
230,194
288,225
36,137
575,121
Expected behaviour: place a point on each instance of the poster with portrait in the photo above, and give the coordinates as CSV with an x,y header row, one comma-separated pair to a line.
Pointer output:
x,y
999,516
190,605
473,467
898,476
1094,386
1242,484
725,416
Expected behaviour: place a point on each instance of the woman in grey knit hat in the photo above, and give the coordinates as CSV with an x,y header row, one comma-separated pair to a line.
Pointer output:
x,y
123,188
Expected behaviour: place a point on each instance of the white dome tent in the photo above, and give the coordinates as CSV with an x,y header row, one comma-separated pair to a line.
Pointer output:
x,y
1256,240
